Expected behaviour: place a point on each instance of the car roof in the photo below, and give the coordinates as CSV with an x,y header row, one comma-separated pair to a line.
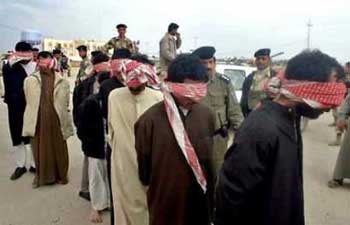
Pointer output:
x,y
221,67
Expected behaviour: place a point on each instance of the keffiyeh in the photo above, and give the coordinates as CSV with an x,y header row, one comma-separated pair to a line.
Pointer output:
x,y
20,56
316,94
195,92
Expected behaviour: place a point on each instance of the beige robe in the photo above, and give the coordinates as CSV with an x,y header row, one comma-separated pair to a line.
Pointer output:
x,y
129,196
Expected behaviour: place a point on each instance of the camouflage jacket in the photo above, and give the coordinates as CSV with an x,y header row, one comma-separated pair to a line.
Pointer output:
x,y
82,74
117,43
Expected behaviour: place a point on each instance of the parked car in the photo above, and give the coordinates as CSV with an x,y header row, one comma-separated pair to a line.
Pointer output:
x,y
237,74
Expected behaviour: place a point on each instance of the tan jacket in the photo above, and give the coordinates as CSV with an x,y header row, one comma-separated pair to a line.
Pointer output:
x,y
32,91
167,50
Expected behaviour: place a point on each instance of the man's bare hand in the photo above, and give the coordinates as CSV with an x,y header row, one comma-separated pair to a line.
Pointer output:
x,y
342,125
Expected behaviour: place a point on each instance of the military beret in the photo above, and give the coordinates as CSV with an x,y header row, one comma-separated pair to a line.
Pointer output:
x,y
205,52
121,26
82,48
262,52
122,53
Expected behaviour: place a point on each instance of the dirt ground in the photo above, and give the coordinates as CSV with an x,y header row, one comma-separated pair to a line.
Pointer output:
x,y
60,205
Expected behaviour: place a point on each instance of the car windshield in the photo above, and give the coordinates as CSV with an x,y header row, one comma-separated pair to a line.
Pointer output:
x,y
237,77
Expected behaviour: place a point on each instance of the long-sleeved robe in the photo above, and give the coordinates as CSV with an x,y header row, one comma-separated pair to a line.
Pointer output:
x,y
49,147
261,181
174,196
129,196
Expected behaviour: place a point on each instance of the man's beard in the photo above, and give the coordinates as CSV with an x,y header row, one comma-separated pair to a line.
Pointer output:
x,y
211,73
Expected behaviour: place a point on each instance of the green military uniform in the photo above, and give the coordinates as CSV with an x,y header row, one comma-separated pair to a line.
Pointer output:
x,y
222,101
84,65
118,43
253,91
257,93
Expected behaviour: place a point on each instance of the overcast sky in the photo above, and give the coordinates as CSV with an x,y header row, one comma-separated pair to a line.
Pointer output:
x,y
235,28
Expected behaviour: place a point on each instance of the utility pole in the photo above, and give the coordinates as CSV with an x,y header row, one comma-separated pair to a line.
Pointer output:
x,y
309,26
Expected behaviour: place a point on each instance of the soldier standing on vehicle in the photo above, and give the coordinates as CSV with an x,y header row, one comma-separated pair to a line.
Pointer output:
x,y
168,46
254,84
121,41
222,101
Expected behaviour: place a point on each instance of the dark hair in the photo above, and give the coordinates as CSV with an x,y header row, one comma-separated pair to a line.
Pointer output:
x,y
35,49
100,58
172,26
45,54
122,53
311,65
121,26
56,51
95,53
23,46
347,64
142,59
186,66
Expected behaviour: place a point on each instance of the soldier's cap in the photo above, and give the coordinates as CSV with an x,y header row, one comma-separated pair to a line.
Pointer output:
x,y
205,52
262,52
122,53
121,25
82,48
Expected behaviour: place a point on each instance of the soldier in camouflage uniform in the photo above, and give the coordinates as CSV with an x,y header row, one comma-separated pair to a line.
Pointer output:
x,y
253,87
221,99
84,64
119,42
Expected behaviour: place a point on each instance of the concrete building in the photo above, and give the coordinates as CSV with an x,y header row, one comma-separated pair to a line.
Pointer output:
x,y
68,47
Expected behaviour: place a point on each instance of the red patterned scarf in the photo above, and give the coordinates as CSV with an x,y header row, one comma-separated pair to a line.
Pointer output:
x,y
195,92
315,94
118,66
16,57
134,73
46,63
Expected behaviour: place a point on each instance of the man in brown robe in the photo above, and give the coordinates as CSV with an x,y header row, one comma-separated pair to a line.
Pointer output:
x,y
48,122
178,171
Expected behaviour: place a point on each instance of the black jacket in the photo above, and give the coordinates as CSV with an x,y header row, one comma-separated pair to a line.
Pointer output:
x,y
13,82
90,128
245,92
105,89
80,93
13,78
261,181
